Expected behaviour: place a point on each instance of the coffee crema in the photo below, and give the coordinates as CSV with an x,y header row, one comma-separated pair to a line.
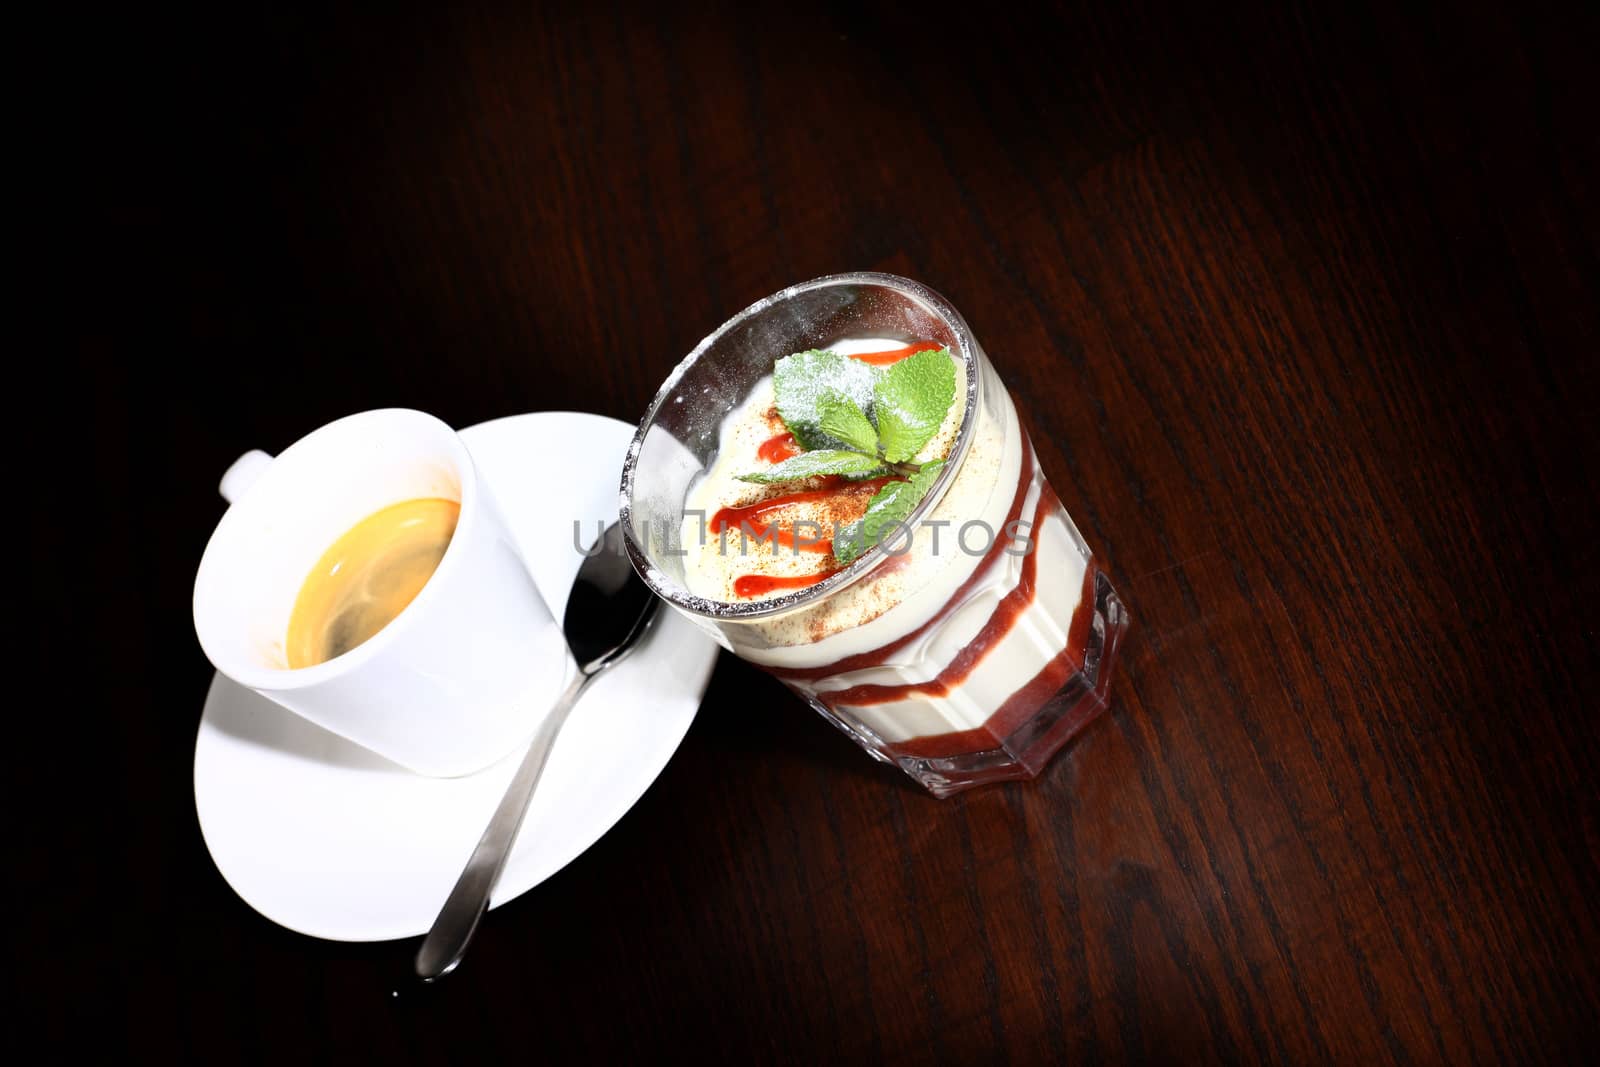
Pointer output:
x,y
368,577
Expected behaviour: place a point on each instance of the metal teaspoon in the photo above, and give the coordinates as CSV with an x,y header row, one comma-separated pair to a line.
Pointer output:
x,y
608,611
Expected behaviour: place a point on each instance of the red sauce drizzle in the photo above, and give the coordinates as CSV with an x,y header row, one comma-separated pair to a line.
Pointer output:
x,y
834,490
779,448
895,355
757,584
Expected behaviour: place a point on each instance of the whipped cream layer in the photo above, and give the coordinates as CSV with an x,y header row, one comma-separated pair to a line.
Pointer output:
x,y
933,642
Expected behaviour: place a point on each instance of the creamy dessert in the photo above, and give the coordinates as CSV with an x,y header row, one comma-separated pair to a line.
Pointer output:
x,y
963,652
835,485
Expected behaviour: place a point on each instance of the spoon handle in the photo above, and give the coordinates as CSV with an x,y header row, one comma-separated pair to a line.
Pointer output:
x,y
458,920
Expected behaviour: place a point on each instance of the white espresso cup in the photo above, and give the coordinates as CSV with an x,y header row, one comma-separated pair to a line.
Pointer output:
x,y
454,682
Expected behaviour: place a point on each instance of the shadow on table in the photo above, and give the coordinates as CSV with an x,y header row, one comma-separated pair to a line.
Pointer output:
x,y
751,715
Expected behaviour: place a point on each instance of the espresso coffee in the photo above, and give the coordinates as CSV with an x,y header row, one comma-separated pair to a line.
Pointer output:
x,y
368,577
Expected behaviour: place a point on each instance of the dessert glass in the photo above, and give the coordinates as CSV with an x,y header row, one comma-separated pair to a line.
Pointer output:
x,y
972,644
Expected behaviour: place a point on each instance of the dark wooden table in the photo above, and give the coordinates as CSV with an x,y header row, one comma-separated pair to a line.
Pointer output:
x,y
1301,311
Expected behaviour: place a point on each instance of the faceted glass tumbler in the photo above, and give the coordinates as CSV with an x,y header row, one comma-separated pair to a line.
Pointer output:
x,y
967,651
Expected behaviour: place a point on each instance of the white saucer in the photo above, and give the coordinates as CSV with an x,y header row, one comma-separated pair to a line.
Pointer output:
x,y
329,839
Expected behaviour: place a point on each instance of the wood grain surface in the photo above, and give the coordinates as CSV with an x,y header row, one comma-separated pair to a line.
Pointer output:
x,y
1300,307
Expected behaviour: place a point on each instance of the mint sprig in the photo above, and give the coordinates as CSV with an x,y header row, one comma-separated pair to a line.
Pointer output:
x,y
857,420
888,508
911,400
833,403
842,419
805,378
814,464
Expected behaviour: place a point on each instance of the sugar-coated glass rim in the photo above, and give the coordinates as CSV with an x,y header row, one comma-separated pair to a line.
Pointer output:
x,y
722,610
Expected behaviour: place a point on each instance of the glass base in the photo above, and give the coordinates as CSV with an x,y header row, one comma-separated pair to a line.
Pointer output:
x,y
1023,753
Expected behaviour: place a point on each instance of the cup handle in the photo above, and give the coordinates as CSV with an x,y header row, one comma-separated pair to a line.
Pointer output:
x,y
243,474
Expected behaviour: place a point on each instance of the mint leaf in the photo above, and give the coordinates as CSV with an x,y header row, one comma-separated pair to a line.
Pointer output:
x,y
911,400
888,507
812,464
840,417
802,380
